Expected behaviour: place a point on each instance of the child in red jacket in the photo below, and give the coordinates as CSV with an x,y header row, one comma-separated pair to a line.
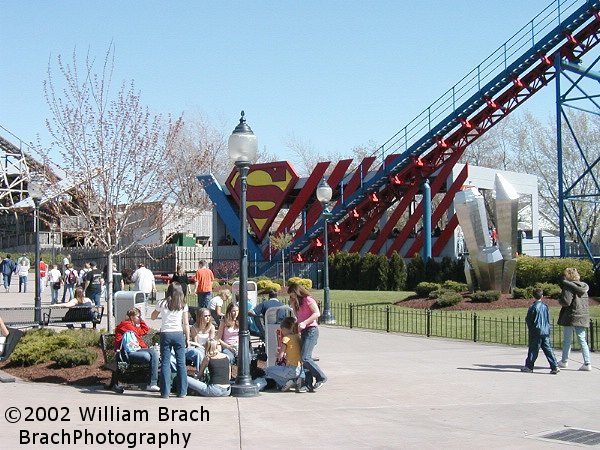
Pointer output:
x,y
141,353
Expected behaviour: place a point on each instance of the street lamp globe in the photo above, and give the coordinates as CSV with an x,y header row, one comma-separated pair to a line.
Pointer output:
x,y
35,186
324,192
242,143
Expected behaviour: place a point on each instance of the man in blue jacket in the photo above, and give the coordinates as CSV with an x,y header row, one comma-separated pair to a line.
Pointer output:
x,y
538,323
7,267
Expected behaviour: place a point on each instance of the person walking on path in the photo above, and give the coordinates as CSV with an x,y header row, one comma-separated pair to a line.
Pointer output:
x,y
174,335
92,284
43,274
7,267
538,323
70,279
307,312
204,279
144,280
54,280
574,316
23,265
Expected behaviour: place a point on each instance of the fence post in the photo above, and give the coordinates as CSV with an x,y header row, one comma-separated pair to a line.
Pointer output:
x,y
387,319
592,333
428,322
351,311
474,327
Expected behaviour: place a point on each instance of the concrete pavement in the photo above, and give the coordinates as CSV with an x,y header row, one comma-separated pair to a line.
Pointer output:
x,y
384,391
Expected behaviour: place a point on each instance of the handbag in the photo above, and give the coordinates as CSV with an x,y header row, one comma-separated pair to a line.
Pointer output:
x,y
56,285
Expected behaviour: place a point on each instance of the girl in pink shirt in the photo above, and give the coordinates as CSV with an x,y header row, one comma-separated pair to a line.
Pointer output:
x,y
307,312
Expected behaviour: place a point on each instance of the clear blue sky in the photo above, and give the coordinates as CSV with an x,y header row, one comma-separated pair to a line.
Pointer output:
x,y
333,73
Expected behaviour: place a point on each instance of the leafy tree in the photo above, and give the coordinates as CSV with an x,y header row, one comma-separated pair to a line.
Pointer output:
x,y
397,273
281,241
114,149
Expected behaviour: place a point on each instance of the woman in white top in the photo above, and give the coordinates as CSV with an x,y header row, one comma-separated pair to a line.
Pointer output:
x,y
174,334
216,303
202,331
79,299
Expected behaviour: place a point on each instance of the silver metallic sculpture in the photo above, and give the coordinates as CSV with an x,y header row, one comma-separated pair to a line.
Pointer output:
x,y
492,265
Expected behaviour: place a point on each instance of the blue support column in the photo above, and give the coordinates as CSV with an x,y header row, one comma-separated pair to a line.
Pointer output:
x,y
561,205
426,220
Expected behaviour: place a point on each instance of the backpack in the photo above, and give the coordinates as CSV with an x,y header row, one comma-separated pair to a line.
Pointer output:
x,y
71,277
129,343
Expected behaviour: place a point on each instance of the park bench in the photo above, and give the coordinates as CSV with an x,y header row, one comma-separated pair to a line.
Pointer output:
x,y
75,315
125,373
22,316
11,342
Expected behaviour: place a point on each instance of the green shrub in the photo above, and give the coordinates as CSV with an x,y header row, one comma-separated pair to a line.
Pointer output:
x,y
266,285
305,282
485,296
396,273
435,294
216,285
424,288
74,357
85,337
455,286
39,346
448,298
532,270
522,292
551,290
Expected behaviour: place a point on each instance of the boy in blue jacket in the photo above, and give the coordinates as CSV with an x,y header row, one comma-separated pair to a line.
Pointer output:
x,y
538,323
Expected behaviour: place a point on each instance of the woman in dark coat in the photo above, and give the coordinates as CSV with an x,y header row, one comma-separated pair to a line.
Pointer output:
x,y
574,316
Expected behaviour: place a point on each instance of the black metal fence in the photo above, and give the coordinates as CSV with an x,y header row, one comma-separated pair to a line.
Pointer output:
x,y
447,324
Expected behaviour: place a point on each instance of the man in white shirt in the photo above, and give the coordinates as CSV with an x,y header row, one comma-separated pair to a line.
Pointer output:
x,y
144,280
54,280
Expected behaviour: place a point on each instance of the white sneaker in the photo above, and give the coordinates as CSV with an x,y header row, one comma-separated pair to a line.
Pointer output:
x,y
563,365
153,388
290,384
586,367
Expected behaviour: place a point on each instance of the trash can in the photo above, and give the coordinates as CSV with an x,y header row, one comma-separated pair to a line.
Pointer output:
x,y
125,300
252,292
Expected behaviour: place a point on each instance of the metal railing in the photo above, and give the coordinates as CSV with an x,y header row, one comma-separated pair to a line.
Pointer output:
x,y
447,324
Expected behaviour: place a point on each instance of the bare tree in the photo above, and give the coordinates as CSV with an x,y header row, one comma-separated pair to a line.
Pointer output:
x,y
200,148
115,151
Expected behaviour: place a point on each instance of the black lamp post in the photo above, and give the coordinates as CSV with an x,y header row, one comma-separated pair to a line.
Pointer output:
x,y
324,194
242,151
35,187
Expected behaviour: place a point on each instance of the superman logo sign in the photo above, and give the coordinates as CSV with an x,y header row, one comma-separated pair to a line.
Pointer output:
x,y
268,186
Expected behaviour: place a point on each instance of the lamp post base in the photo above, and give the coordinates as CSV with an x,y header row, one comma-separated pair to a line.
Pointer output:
x,y
327,318
244,390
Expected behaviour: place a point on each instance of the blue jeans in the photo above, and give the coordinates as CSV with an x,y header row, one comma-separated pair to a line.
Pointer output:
x,y
203,299
208,390
176,341
53,294
309,338
22,283
6,278
95,297
149,356
535,342
70,288
282,374
568,338
195,355
232,356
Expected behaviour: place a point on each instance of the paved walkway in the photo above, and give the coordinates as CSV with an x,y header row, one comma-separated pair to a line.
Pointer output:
x,y
384,391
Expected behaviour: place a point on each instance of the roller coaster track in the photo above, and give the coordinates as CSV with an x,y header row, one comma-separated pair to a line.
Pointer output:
x,y
434,141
